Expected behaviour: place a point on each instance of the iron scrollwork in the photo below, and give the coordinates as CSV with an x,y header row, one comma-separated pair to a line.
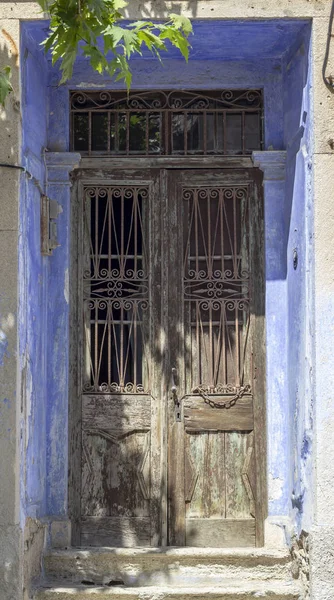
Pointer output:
x,y
115,289
216,289
181,122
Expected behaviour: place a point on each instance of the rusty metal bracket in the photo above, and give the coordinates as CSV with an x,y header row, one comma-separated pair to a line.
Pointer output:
x,y
50,210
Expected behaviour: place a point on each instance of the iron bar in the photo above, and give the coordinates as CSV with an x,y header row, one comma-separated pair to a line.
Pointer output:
x,y
172,110
216,282
115,289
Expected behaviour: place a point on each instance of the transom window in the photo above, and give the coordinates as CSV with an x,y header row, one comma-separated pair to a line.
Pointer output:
x,y
226,122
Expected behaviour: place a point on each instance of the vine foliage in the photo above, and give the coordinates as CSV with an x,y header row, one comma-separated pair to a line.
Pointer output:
x,y
78,26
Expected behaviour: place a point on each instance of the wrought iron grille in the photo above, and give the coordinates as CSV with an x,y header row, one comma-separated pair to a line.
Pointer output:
x,y
216,285
227,122
115,289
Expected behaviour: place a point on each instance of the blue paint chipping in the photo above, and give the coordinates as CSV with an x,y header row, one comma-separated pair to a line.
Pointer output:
x,y
3,347
272,55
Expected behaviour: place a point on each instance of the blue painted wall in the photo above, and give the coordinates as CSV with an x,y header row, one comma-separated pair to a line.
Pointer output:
x,y
33,276
44,301
299,227
272,55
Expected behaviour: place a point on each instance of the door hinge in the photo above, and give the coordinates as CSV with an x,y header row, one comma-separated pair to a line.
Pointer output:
x,y
50,211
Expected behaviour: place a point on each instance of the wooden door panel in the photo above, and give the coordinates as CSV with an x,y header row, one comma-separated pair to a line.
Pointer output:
x,y
239,491
116,481
206,452
127,532
215,322
120,393
116,412
221,466
219,488
215,533
201,416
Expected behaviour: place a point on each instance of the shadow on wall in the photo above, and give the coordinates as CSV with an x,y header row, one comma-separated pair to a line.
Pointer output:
x,y
158,10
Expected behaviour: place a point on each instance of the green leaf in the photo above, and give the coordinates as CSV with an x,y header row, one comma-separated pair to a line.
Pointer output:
x,y
44,4
177,39
183,45
73,22
48,42
67,64
97,59
5,85
181,22
116,33
119,4
141,24
151,40
130,42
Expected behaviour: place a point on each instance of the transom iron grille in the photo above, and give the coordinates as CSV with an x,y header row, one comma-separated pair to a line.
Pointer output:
x,y
227,122
115,289
216,285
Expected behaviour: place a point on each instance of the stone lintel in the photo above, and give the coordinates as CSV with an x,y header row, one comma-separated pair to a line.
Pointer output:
x,y
59,165
272,163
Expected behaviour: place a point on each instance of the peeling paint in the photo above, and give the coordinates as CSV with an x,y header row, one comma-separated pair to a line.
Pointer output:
x,y
66,286
3,347
275,486
8,323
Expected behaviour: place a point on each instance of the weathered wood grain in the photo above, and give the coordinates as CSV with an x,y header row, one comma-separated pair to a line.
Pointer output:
x,y
259,470
207,454
135,458
237,497
220,476
115,474
162,162
74,409
117,412
176,486
219,533
199,416
158,448
173,252
190,474
116,531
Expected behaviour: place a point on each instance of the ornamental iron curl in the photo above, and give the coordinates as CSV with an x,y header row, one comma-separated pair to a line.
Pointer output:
x,y
115,287
217,287
181,122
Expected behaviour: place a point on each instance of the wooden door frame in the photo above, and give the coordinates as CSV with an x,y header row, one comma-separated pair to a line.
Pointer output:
x,y
101,170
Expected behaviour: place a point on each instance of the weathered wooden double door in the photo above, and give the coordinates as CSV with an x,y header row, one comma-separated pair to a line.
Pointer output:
x,y
171,359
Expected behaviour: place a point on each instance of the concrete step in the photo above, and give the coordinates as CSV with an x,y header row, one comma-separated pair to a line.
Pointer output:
x,y
231,591
175,567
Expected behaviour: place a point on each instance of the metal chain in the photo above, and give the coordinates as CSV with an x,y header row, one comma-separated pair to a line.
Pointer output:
x,y
228,403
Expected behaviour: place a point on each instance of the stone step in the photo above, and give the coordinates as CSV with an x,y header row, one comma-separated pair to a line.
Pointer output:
x,y
175,567
231,591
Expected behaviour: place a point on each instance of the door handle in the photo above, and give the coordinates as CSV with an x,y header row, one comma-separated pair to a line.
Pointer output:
x,y
177,402
174,386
